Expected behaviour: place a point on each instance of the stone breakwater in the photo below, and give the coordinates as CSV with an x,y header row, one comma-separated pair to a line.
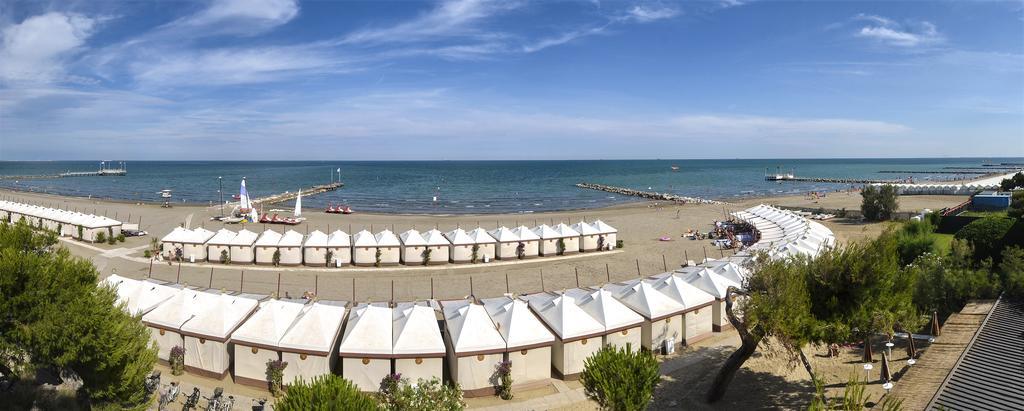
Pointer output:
x,y
649,195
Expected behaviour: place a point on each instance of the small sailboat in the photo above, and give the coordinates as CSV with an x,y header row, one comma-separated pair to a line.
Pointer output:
x,y
675,167
297,214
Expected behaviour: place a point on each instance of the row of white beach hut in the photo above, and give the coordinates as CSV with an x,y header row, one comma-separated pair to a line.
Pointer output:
x,y
384,248
65,223
543,335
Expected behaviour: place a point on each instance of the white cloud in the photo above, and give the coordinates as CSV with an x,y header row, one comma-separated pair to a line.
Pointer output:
x,y
450,18
35,49
562,39
889,32
228,66
643,14
238,16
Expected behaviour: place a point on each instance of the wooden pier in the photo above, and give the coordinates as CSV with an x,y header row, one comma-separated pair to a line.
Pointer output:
x,y
280,198
107,168
935,172
831,180
650,195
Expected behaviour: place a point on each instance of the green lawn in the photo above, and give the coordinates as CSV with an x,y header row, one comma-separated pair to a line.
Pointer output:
x,y
942,242
984,213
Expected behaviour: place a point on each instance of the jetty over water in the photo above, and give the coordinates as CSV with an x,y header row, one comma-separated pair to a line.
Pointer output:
x,y
280,198
107,168
790,177
650,195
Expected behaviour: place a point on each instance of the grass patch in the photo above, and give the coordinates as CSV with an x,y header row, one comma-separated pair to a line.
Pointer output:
x,y
972,213
942,242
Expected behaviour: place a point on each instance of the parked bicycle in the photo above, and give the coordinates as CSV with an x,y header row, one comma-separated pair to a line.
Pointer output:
x,y
152,383
192,401
169,395
258,405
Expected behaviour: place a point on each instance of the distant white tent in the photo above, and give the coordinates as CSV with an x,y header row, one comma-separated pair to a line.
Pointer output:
x,y
529,242
716,285
308,347
339,247
389,246
266,246
622,326
590,237
527,341
474,346
507,242
548,239
418,349
413,247
206,334
570,238
439,246
290,247
218,248
364,249
578,334
173,241
140,296
661,314
484,243
365,348
195,244
257,340
242,250
462,246
165,321
609,233
697,316
314,250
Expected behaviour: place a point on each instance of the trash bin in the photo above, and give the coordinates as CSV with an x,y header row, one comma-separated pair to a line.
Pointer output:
x,y
668,346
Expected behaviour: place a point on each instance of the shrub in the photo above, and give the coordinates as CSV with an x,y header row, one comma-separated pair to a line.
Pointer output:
x,y
1016,205
101,237
620,378
986,236
1011,271
120,237
1016,181
111,240
276,259
377,255
476,250
913,239
619,243
80,236
223,256
426,255
177,360
329,257
560,246
147,254
879,203
396,393
326,392
945,283
503,380
275,375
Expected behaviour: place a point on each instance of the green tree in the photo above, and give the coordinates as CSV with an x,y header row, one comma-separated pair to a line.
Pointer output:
x,y
1011,270
986,236
621,378
39,286
1015,181
326,392
1016,205
879,203
397,394
944,283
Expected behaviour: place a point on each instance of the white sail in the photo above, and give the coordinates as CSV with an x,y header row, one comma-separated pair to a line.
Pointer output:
x,y
298,204
243,197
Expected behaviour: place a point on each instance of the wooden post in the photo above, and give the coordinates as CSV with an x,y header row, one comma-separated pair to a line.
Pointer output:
x,y
278,284
638,267
179,273
316,285
471,287
241,282
686,258
705,254
607,272
353,290
506,284
431,288
542,288
392,292
151,267
577,276
664,263
211,278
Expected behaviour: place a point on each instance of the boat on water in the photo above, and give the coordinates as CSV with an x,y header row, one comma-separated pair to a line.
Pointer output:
x,y
675,167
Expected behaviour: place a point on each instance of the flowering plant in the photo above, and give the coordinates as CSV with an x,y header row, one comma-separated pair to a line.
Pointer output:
x,y
177,360
275,376
504,377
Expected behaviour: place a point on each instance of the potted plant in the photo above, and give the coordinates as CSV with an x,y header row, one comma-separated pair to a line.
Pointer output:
x,y
504,380
377,256
223,256
275,376
177,360
276,259
476,249
328,257
560,246
426,255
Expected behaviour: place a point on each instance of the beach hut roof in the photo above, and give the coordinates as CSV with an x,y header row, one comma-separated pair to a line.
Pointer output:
x,y
368,330
525,234
387,239
480,236
177,235
709,282
316,239
201,235
269,238
585,229
517,325
364,239
415,330
470,328
291,238
504,235
545,232
223,237
458,236
139,297
565,318
642,297
270,323
317,328
682,292
339,239
603,307
412,238
565,231
244,237
220,315
178,309
435,237
731,271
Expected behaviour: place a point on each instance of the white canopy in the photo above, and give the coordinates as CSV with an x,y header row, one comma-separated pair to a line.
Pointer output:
x,y
458,236
244,238
270,323
517,325
339,239
682,292
387,239
585,229
177,310
545,232
504,235
140,297
269,238
470,328
435,237
223,237
219,315
525,234
563,316
603,307
200,235
709,282
316,239
177,235
364,239
412,238
415,330
480,236
368,331
317,328
565,231
643,298
291,239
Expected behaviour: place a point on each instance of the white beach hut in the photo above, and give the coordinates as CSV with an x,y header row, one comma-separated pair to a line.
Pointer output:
x,y
578,334
309,346
314,251
475,348
241,247
195,244
440,248
365,348
527,341
257,340
290,247
389,246
164,322
590,237
266,246
608,235
697,315
206,334
418,347
174,241
413,247
548,239
529,242
364,249
339,245
485,244
570,238
218,248
462,246
507,241
716,285
662,315
140,296
622,326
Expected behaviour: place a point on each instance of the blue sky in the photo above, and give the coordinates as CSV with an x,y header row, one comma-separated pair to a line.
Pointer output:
x,y
473,79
